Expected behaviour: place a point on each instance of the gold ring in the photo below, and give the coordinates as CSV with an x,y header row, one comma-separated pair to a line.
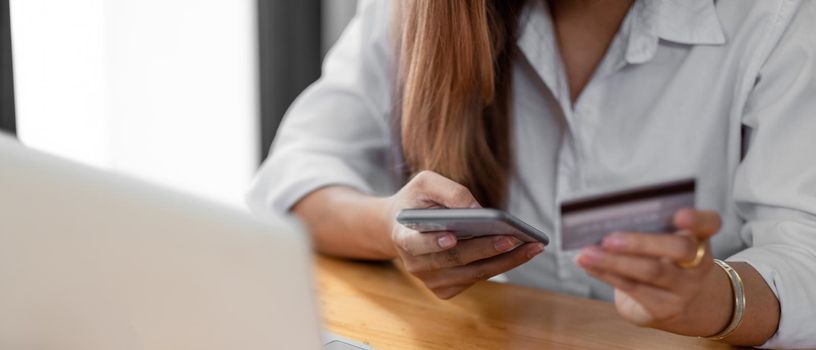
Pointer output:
x,y
701,249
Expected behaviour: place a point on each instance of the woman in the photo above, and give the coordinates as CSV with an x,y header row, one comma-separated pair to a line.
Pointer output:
x,y
519,104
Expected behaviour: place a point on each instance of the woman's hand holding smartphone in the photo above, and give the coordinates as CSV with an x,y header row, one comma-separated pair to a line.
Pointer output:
x,y
446,265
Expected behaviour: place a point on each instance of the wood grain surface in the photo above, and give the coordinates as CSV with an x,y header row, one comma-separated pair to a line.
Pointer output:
x,y
377,304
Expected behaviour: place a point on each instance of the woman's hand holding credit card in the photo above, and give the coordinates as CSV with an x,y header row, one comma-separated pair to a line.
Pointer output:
x,y
651,245
586,221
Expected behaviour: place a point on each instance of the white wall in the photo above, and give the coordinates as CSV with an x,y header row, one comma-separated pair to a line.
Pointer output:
x,y
160,89
59,76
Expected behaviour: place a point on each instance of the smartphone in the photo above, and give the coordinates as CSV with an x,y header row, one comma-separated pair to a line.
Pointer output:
x,y
470,223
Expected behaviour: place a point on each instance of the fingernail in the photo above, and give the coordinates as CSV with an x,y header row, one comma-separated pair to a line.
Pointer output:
x,y
535,250
475,206
614,242
502,244
590,256
684,217
446,242
686,233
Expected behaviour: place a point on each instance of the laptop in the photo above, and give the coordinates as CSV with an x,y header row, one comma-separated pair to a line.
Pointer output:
x,y
91,260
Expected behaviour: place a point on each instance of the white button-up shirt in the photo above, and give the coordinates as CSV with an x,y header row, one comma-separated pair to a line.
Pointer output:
x,y
723,91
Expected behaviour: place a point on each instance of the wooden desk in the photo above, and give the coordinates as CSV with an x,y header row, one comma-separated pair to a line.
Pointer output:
x,y
380,306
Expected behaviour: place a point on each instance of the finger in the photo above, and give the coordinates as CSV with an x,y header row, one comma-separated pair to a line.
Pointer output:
x,y
414,243
674,247
446,293
484,269
658,303
616,281
443,191
464,253
704,224
641,269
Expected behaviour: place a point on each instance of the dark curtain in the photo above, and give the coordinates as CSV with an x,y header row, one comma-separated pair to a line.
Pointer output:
x,y
290,57
7,120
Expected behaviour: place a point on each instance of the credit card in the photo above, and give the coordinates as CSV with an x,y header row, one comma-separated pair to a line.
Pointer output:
x,y
586,221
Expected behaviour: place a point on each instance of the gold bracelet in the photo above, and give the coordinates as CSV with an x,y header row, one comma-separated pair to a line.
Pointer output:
x,y
739,301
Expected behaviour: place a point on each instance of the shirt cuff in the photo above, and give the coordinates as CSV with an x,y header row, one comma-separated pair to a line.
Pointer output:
x,y
787,272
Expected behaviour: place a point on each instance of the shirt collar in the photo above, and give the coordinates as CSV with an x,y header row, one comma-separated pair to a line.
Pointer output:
x,y
538,44
692,22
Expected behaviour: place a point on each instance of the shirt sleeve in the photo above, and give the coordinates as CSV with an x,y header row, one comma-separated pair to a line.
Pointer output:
x,y
337,132
775,185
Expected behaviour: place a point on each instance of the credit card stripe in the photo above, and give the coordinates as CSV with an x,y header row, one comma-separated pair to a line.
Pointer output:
x,y
648,192
608,213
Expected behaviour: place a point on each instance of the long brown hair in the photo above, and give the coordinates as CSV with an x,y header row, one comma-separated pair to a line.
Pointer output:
x,y
454,85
